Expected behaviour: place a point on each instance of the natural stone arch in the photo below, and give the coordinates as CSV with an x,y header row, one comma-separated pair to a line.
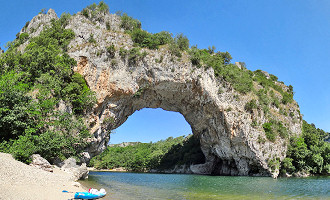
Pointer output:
x,y
214,110
192,92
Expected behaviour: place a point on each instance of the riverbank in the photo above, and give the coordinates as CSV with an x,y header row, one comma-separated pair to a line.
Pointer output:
x,y
24,182
119,169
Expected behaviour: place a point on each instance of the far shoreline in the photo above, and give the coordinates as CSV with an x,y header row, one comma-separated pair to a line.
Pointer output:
x,y
121,170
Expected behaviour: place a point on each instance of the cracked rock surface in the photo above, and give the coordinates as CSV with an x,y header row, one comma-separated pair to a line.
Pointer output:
x,y
228,139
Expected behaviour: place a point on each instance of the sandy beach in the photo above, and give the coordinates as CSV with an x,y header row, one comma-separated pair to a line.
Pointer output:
x,y
24,182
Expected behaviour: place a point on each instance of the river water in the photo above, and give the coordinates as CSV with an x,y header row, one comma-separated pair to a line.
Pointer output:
x,y
122,185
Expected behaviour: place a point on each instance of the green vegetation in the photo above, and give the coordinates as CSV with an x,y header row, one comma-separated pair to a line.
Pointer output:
x,y
133,55
111,51
160,60
153,41
123,52
91,39
249,106
308,153
140,91
182,42
144,39
128,23
261,78
107,25
274,164
270,134
92,11
273,129
241,79
32,84
35,82
220,62
163,154
43,11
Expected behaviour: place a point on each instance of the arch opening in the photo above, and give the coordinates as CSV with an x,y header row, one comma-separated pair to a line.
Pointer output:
x,y
150,125
152,140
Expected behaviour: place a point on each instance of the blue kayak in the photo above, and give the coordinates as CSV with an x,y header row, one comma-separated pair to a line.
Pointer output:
x,y
87,195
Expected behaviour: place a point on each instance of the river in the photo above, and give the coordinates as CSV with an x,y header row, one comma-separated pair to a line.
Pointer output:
x,y
122,185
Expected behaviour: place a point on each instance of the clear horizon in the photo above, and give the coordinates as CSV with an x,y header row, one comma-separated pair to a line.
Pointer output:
x,y
286,38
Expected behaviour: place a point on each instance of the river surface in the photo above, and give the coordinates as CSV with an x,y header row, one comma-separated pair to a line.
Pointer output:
x,y
122,185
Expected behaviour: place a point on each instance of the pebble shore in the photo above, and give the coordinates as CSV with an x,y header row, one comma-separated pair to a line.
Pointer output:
x,y
24,182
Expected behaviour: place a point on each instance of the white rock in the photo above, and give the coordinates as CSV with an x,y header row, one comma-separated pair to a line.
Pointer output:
x,y
41,163
228,140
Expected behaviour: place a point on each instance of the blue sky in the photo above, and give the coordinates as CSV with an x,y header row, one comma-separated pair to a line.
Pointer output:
x,y
288,38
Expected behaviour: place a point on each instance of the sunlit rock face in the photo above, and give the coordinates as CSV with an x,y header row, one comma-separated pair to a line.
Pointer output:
x,y
160,80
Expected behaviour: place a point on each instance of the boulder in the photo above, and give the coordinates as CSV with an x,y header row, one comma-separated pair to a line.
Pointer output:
x,y
41,163
301,174
77,172
201,168
70,163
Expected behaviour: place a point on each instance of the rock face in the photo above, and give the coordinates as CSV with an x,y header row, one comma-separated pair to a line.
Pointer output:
x,y
229,141
41,163
77,172
39,22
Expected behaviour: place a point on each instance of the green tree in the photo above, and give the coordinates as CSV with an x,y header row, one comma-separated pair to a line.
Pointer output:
x,y
182,41
163,37
32,83
128,23
23,148
14,106
226,57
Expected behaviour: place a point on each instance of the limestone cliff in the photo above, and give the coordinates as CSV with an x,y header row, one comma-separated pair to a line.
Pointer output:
x,y
232,144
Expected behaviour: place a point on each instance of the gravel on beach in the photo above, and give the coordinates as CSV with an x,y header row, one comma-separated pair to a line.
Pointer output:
x,y
24,182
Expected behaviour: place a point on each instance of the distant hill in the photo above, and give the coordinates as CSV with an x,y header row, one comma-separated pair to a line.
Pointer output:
x,y
161,156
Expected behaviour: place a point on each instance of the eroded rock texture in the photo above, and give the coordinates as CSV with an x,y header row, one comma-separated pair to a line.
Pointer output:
x,y
230,143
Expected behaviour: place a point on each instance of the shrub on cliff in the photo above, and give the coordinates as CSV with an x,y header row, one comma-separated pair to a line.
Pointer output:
x,y
148,40
273,129
22,38
260,77
144,39
174,49
249,106
270,134
240,79
94,9
163,37
152,41
182,41
111,51
129,23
